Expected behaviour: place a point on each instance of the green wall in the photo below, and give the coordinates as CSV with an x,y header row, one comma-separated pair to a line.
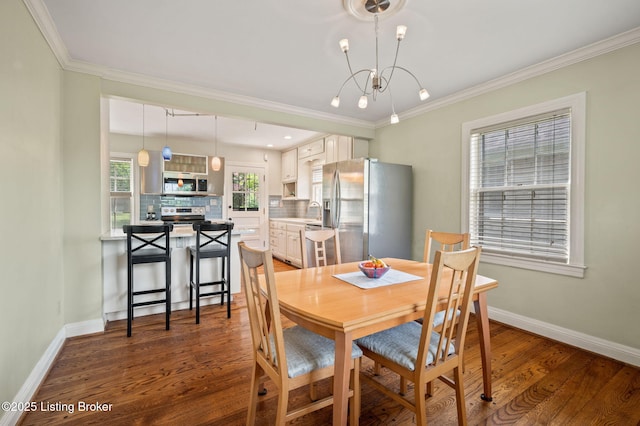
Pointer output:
x,y
51,137
31,253
605,302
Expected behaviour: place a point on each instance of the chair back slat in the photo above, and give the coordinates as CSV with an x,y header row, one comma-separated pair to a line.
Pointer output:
x,y
458,270
319,241
262,304
213,233
446,241
147,236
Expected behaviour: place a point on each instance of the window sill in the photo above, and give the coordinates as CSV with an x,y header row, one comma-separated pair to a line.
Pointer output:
x,y
535,265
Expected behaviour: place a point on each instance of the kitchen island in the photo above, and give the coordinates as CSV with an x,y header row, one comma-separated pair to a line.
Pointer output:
x,y
148,276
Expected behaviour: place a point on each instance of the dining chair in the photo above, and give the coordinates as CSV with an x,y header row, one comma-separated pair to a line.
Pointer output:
x,y
319,243
319,240
421,355
291,357
446,241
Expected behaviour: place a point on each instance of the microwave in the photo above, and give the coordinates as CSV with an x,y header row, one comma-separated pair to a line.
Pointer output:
x,y
184,185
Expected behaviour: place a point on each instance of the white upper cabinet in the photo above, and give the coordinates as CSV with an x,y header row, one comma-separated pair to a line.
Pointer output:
x,y
338,148
290,165
311,149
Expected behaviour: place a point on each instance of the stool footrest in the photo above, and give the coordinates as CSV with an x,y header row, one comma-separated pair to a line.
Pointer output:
x,y
156,290
150,302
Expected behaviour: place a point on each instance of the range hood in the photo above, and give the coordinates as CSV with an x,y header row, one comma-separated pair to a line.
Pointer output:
x,y
183,165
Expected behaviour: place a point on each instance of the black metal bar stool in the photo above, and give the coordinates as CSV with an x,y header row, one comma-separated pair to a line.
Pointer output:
x,y
148,244
213,240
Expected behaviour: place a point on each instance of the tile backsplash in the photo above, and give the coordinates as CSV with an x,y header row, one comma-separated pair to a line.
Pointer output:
x,y
278,207
213,205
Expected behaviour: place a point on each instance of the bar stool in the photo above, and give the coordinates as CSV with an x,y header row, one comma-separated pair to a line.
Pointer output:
x,y
148,244
213,240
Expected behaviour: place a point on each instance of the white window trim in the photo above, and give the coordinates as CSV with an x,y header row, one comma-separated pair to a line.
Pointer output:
x,y
577,103
135,192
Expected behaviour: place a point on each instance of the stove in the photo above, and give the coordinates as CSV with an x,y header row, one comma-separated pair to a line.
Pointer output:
x,y
182,215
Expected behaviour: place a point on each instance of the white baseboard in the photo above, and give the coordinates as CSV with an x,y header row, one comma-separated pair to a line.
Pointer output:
x,y
602,347
31,385
85,327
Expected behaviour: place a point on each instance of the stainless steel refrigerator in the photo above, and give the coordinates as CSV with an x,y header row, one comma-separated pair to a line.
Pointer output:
x,y
371,203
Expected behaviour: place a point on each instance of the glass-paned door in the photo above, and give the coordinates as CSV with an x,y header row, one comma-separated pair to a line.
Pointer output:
x,y
246,206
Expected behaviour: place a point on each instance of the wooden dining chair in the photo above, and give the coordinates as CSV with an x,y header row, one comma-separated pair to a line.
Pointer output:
x,y
421,355
319,243
446,241
319,240
292,357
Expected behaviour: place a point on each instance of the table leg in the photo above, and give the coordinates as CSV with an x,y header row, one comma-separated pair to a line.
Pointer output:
x,y
341,378
482,317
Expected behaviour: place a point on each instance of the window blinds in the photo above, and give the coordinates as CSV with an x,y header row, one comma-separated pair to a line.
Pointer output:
x,y
519,187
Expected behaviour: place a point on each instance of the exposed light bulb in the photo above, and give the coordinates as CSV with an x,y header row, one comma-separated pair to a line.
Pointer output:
x,y
423,94
362,102
401,30
394,118
344,45
335,102
180,183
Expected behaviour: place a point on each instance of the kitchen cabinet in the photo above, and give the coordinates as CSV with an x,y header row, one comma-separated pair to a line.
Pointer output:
x,y
338,148
284,241
311,149
289,166
294,249
278,239
290,173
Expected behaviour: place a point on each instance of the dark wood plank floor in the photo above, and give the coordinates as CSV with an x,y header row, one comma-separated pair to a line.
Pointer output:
x,y
200,375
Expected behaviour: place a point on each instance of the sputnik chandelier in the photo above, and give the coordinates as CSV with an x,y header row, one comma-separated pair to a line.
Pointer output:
x,y
373,81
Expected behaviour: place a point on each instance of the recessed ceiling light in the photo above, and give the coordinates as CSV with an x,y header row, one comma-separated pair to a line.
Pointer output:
x,y
287,137
269,145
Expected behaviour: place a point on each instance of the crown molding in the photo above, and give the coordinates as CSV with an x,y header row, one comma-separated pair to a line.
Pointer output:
x,y
44,22
582,54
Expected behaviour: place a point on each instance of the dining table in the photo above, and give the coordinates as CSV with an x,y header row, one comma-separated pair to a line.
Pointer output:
x,y
340,303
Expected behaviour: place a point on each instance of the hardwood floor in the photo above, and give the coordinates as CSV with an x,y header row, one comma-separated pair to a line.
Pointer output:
x,y
200,375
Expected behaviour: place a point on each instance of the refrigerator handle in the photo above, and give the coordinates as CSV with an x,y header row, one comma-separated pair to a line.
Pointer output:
x,y
333,200
338,199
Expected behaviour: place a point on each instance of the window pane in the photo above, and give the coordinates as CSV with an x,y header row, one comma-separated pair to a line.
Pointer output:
x,y
121,187
120,175
120,212
246,191
519,188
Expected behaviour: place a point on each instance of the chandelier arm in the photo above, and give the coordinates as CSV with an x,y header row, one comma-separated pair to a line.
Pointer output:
x,y
392,67
353,74
353,77
400,68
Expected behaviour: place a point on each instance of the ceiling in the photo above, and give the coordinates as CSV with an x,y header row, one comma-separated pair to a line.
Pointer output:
x,y
284,54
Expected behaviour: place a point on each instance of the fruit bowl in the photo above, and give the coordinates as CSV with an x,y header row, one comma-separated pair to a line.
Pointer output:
x,y
371,271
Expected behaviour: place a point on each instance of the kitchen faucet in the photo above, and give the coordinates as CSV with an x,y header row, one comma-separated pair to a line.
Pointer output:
x,y
315,204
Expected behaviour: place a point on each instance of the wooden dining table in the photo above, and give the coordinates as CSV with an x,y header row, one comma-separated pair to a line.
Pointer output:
x,y
317,300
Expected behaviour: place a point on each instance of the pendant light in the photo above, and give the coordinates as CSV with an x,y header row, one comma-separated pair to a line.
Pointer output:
x,y
166,151
143,154
216,163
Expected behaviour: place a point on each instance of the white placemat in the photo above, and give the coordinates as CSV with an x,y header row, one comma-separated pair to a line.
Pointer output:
x,y
393,276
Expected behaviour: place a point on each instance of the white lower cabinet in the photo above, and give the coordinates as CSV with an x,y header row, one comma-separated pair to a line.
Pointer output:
x,y
284,240
278,239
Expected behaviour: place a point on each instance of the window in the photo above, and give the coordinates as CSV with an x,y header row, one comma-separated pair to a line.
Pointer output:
x,y
316,184
121,191
523,196
246,191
